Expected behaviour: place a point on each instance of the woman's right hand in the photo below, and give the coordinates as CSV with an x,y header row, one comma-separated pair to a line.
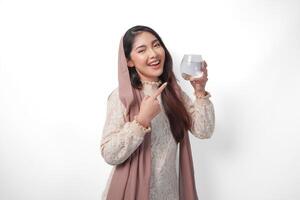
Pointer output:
x,y
150,107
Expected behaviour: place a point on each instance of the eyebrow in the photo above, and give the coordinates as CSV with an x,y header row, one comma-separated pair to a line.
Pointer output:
x,y
145,45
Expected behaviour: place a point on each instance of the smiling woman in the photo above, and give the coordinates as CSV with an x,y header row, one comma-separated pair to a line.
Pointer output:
x,y
148,115
147,56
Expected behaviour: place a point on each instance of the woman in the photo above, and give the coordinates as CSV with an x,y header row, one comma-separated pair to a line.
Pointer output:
x,y
148,117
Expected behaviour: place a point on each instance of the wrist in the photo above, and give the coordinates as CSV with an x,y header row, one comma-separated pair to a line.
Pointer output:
x,y
201,93
141,121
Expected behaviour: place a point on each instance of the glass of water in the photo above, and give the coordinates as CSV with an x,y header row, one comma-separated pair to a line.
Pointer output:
x,y
191,66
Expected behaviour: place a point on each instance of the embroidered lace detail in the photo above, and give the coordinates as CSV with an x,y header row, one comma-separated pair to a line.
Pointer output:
x,y
141,126
203,115
156,83
120,140
202,97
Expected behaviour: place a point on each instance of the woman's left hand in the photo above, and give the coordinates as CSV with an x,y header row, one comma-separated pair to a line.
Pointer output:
x,y
199,83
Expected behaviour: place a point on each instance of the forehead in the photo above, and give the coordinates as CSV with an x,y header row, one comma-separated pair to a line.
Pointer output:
x,y
144,38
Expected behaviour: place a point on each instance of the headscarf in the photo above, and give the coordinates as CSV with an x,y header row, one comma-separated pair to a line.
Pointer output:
x,y
131,179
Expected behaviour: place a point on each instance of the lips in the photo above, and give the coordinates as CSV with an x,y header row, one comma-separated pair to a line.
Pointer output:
x,y
154,63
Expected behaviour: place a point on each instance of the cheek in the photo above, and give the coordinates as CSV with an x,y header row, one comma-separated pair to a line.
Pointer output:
x,y
141,60
162,53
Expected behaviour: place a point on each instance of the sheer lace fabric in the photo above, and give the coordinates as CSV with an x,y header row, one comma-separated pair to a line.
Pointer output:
x,y
120,139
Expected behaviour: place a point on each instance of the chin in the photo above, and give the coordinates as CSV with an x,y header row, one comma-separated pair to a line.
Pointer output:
x,y
157,72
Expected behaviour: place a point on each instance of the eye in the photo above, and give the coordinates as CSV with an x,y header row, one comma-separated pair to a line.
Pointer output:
x,y
141,51
157,45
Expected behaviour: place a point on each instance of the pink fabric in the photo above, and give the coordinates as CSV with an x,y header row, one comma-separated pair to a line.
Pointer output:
x,y
131,179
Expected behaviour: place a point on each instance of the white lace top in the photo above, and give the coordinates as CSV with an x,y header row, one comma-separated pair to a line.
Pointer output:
x,y
120,139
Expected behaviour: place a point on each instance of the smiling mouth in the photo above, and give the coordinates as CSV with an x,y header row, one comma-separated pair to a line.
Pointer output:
x,y
155,64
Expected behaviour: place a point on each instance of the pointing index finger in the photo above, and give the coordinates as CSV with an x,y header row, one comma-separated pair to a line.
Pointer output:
x,y
159,90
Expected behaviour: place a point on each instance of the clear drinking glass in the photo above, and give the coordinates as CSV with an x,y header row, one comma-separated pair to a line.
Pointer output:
x,y
191,66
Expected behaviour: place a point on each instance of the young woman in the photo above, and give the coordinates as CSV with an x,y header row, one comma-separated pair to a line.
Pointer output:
x,y
148,117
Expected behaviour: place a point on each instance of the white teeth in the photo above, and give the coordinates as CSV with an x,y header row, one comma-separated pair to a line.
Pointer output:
x,y
155,63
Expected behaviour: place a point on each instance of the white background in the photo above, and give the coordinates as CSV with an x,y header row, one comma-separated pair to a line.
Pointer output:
x,y
59,64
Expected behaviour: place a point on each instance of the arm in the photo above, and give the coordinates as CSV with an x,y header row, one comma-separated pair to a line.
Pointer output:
x,y
119,139
202,114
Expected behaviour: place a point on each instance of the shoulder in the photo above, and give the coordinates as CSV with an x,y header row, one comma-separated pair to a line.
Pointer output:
x,y
114,101
113,95
183,95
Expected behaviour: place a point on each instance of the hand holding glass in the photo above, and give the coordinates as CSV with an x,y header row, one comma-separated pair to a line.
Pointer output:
x,y
191,66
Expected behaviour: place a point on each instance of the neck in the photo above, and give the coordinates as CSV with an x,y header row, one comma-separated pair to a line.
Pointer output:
x,y
149,80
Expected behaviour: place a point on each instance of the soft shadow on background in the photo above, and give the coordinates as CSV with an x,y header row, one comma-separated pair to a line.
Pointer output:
x,y
58,64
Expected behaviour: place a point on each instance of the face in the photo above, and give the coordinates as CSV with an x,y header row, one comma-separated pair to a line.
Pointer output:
x,y
147,56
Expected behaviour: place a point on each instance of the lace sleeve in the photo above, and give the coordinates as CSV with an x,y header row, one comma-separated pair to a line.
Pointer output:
x,y
119,139
202,114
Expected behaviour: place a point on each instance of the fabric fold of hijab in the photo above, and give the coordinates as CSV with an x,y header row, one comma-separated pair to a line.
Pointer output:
x,y
131,179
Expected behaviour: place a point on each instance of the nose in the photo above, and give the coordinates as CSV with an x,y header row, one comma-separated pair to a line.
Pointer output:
x,y
152,53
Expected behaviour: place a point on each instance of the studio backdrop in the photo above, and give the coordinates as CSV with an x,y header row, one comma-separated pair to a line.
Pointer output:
x,y
58,65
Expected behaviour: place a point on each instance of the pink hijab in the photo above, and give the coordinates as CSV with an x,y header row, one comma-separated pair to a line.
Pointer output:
x,y
131,179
